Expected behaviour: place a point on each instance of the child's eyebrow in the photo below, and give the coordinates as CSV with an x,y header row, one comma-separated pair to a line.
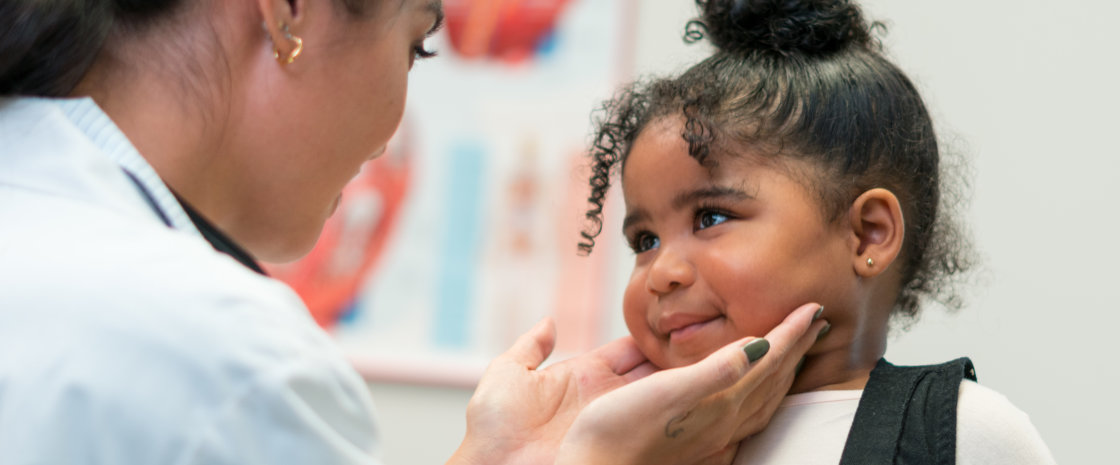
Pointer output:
x,y
635,216
686,199
709,192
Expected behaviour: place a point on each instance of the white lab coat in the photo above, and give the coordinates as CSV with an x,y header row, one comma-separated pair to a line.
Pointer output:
x,y
125,339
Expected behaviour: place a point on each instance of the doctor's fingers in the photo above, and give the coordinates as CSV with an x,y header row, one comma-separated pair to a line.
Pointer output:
x,y
755,393
788,343
725,456
639,372
532,348
767,384
796,333
620,355
742,377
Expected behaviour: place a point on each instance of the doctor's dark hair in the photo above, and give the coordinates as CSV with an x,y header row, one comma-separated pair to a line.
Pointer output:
x,y
800,80
46,46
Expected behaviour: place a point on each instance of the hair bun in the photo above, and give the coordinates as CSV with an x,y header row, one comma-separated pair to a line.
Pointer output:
x,y
785,27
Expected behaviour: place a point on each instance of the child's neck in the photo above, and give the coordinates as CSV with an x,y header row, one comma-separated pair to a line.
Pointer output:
x,y
842,368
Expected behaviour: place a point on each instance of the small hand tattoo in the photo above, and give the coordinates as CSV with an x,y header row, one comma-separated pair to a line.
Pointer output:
x,y
672,431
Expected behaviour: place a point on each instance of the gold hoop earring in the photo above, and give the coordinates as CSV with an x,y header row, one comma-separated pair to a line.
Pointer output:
x,y
870,262
288,58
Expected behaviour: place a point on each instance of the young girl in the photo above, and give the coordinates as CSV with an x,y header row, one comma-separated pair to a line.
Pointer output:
x,y
798,164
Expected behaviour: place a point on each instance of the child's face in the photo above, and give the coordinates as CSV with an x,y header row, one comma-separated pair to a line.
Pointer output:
x,y
720,254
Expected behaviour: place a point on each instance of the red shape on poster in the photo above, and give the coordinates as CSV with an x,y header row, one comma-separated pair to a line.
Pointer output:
x,y
353,239
508,30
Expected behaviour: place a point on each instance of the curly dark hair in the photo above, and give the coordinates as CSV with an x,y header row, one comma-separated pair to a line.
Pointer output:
x,y
805,80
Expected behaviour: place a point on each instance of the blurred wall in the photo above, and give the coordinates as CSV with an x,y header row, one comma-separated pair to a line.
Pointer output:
x,y
1025,90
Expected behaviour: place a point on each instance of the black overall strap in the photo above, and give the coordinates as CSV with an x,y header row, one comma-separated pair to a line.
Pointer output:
x,y
908,415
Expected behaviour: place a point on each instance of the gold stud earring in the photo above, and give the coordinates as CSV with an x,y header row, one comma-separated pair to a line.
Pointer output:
x,y
289,57
870,262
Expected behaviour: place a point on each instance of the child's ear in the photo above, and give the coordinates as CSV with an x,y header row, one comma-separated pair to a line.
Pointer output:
x,y
878,229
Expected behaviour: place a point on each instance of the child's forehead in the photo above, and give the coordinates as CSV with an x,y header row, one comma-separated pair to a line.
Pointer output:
x,y
735,175
659,166
677,175
664,141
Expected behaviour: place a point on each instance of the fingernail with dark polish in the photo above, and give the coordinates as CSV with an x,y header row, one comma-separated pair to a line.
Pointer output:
x,y
817,316
824,330
800,363
756,349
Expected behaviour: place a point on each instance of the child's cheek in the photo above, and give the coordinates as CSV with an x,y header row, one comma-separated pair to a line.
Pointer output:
x,y
635,305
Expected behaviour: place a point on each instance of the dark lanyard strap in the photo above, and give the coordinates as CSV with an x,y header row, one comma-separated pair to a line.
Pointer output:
x,y
218,240
215,237
908,415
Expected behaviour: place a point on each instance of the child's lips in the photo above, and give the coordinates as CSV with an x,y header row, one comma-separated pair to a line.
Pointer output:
x,y
679,328
683,335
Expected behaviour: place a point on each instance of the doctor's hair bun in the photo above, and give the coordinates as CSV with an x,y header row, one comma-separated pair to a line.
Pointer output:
x,y
780,27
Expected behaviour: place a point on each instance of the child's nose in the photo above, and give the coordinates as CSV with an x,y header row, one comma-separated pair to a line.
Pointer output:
x,y
670,270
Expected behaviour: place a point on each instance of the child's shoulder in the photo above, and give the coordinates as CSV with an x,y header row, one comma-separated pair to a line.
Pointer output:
x,y
992,430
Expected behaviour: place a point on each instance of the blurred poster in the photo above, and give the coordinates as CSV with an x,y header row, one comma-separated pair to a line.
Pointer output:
x,y
463,235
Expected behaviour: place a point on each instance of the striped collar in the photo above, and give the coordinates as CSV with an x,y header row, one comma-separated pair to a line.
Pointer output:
x,y
176,214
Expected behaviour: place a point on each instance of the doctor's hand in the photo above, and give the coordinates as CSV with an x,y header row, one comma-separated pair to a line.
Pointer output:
x,y
519,413
695,414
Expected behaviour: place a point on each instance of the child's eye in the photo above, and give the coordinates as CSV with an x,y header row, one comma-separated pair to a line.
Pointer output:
x,y
708,218
643,242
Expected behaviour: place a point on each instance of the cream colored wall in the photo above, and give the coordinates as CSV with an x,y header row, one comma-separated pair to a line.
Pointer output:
x,y
419,424
1027,90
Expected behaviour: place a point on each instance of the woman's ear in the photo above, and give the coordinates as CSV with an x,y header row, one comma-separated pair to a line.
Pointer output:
x,y
878,231
281,20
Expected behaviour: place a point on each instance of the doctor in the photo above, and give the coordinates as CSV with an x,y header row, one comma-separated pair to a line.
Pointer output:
x,y
178,141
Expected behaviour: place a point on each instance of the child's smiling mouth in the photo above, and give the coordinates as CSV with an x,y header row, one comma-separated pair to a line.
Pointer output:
x,y
680,328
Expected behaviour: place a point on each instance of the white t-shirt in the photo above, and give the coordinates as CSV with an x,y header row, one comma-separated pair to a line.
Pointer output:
x,y
126,339
812,428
